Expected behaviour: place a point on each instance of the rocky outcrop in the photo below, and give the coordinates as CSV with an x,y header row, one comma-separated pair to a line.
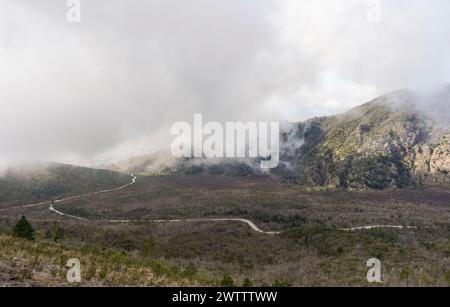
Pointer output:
x,y
388,142
440,158
422,157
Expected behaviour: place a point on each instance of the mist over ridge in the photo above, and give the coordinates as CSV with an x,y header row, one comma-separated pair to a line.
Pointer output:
x,y
111,87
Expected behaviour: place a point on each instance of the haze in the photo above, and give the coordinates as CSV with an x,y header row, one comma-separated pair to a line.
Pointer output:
x,y
113,85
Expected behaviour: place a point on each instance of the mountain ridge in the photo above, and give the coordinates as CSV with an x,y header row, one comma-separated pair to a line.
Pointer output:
x,y
387,142
398,140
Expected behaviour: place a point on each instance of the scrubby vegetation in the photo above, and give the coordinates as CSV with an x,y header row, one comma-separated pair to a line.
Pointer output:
x,y
382,144
311,251
43,182
309,255
44,264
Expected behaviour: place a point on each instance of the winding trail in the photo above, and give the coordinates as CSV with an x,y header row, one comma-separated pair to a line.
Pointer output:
x,y
67,215
202,220
133,181
378,226
248,222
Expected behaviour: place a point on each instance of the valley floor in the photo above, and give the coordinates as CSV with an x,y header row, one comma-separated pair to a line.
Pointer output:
x,y
311,249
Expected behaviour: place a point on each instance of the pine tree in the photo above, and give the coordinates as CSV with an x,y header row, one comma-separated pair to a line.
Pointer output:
x,y
23,229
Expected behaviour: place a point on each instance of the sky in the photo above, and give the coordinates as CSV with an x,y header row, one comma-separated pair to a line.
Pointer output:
x,y
113,84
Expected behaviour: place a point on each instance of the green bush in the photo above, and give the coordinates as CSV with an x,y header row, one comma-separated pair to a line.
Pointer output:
x,y
227,281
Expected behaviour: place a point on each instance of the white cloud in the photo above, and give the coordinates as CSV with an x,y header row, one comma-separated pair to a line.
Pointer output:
x,y
118,80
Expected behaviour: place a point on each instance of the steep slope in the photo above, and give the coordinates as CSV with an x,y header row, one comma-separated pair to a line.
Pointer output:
x,y
388,142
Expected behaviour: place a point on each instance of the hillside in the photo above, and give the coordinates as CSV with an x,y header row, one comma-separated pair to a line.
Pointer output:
x,y
388,142
43,264
44,181
398,140
311,251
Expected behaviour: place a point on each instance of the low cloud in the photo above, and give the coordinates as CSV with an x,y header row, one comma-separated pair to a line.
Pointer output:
x,y
113,85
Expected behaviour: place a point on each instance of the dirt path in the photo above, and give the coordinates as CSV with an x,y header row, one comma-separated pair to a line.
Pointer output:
x,y
133,181
378,226
248,222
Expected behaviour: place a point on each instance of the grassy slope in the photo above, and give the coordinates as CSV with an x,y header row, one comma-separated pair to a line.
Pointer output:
x,y
42,263
310,255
